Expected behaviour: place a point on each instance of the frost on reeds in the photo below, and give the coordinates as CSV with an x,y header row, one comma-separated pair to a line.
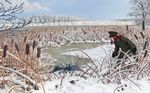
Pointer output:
x,y
107,70
24,66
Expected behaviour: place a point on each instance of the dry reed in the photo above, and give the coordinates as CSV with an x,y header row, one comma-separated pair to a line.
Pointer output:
x,y
17,47
34,44
5,51
27,49
38,52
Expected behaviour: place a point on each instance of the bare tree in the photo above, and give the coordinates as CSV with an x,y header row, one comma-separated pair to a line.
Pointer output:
x,y
8,15
141,12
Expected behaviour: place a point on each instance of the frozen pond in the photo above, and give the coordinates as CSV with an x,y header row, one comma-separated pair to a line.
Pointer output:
x,y
56,53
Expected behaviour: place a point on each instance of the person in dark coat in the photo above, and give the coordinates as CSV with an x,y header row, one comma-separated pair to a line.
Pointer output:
x,y
122,43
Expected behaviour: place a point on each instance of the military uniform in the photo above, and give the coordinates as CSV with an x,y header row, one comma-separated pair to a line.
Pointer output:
x,y
122,42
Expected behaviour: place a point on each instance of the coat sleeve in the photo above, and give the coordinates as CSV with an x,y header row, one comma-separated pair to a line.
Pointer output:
x,y
131,44
116,50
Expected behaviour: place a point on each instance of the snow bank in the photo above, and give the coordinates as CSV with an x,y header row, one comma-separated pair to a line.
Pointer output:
x,y
91,85
96,54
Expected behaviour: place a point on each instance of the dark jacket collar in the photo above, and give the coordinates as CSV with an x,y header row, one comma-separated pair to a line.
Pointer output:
x,y
117,38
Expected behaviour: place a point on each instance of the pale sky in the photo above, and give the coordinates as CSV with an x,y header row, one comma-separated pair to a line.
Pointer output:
x,y
88,9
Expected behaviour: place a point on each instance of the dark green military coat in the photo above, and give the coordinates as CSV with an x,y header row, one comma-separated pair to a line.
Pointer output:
x,y
125,44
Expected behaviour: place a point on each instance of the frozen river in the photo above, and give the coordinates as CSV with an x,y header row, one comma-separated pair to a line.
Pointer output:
x,y
56,53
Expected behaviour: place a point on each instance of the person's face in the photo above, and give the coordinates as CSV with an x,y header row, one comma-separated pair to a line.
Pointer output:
x,y
112,40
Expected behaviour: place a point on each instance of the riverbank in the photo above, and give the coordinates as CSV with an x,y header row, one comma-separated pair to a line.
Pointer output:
x,y
76,84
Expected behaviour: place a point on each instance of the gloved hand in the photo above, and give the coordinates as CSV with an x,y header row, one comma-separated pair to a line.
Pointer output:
x,y
134,51
114,54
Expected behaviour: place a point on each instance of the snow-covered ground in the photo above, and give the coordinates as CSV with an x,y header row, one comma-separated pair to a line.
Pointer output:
x,y
82,23
91,85
76,84
96,54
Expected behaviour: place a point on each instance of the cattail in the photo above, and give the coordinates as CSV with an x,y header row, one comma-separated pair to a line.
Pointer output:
x,y
145,54
34,44
142,35
145,44
127,27
38,52
5,51
27,49
136,36
25,39
17,47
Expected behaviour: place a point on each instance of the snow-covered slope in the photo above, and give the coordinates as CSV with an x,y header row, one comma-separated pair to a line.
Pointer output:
x,y
91,85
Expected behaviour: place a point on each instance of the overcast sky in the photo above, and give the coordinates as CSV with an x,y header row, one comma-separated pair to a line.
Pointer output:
x,y
88,9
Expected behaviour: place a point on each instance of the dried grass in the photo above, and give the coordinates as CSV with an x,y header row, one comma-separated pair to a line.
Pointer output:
x,y
37,71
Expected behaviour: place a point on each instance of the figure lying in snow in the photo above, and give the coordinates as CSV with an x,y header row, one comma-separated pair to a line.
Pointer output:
x,y
67,68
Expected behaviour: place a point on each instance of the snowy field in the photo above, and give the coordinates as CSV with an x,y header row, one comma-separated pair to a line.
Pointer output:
x,y
94,80
27,67
76,84
96,54
91,85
